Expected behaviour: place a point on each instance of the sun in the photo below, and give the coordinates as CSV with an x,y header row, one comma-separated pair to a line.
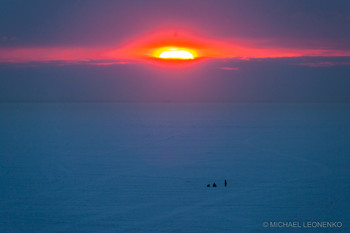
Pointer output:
x,y
174,53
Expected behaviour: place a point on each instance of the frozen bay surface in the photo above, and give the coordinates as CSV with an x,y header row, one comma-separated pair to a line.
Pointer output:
x,y
93,167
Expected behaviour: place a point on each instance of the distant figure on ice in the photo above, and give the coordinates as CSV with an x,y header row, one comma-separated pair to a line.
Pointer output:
x,y
225,183
208,185
214,185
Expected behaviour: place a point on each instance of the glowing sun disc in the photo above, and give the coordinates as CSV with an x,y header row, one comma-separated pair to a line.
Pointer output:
x,y
175,53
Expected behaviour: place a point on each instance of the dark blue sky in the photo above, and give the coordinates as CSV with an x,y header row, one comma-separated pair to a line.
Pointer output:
x,y
41,22
275,24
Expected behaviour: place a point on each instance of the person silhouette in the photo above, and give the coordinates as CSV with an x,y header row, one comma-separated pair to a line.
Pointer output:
x,y
214,185
225,183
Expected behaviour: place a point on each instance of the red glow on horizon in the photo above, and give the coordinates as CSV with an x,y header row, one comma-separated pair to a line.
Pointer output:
x,y
148,49
143,47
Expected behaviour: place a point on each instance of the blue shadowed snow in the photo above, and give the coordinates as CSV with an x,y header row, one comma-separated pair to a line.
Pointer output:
x,y
145,167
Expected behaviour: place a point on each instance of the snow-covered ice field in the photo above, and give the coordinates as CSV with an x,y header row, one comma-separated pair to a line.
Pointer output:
x,y
144,167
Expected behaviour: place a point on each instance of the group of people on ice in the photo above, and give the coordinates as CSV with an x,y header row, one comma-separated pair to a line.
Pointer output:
x,y
214,184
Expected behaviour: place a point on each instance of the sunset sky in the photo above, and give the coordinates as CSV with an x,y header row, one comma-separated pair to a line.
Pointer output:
x,y
243,51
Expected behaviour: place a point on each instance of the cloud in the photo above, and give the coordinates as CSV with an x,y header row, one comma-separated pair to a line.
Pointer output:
x,y
324,64
228,68
8,38
108,63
